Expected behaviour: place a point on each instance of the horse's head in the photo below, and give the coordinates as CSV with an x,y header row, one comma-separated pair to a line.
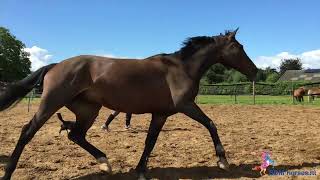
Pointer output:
x,y
232,55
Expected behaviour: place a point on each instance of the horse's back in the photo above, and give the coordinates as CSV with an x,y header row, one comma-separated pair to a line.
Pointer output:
x,y
314,90
125,85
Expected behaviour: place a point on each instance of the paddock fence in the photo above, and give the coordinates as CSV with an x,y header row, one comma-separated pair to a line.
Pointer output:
x,y
252,93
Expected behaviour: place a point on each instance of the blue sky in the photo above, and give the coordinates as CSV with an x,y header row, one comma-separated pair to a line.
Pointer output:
x,y
269,30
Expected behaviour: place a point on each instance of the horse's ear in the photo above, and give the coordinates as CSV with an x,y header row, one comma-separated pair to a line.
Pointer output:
x,y
235,32
232,35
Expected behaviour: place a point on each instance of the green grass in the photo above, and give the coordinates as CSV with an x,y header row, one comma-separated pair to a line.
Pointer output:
x,y
35,99
247,99
243,99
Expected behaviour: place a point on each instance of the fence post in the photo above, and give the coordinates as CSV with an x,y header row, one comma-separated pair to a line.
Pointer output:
x,y
29,99
32,95
254,92
292,91
235,94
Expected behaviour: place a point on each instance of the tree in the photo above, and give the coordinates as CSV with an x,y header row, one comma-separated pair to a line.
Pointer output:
x,y
216,74
290,64
272,78
234,76
270,70
14,61
261,75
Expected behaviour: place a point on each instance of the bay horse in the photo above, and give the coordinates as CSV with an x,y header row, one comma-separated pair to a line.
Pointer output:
x,y
299,93
162,85
113,115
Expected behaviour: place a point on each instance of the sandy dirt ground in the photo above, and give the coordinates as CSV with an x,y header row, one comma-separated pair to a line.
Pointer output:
x,y
184,149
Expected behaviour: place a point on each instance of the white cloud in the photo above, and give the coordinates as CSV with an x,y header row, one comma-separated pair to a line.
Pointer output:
x,y
113,56
39,57
310,59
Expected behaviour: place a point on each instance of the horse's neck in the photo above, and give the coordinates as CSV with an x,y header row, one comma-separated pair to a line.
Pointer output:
x,y
198,64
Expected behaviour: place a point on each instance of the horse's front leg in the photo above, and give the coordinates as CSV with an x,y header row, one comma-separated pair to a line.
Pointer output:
x,y
155,127
194,112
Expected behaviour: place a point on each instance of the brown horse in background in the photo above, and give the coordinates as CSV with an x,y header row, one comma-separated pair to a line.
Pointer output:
x,y
162,85
299,93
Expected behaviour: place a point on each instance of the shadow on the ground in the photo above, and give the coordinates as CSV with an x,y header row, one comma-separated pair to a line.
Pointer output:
x,y
140,130
202,172
4,159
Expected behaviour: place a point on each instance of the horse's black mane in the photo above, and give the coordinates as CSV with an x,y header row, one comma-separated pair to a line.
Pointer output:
x,y
227,32
193,44
160,54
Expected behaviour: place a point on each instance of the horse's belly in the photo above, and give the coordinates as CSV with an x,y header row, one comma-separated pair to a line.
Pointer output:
x,y
138,103
135,101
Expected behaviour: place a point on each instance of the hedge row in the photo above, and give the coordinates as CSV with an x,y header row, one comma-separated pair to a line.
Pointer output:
x,y
279,88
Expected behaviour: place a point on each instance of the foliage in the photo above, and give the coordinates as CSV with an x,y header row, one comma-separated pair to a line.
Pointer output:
x,y
215,74
290,64
267,75
272,78
261,75
234,76
14,61
220,74
279,88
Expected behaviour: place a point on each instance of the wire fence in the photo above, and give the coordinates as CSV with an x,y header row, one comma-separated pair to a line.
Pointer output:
x,y
252,93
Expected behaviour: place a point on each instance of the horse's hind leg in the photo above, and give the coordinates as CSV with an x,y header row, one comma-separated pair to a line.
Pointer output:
x,y
47,107
86,113
109,120
128,119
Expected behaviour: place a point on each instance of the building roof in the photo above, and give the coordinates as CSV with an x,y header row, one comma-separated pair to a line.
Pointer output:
x,y
312,75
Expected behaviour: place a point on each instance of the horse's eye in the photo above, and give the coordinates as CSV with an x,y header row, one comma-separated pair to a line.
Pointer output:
x,y
233,45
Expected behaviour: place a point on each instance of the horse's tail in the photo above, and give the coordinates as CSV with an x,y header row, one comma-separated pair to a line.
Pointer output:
x,y
14,92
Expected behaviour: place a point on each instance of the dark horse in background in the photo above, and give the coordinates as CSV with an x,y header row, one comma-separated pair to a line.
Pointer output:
x,y
162,85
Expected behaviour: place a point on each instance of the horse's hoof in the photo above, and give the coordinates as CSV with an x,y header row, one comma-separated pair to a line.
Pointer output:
x,y
127,127
104,165
105,128
5,177
223,164
141,176
105,168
